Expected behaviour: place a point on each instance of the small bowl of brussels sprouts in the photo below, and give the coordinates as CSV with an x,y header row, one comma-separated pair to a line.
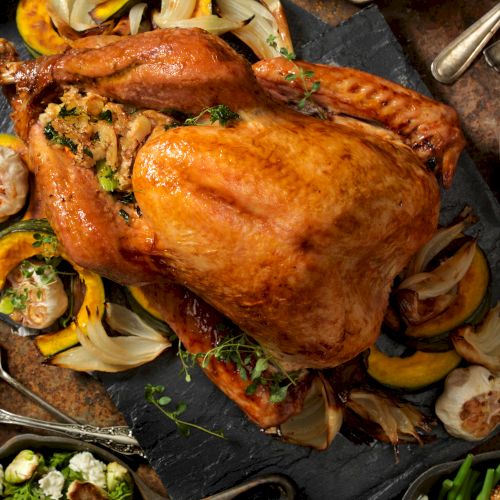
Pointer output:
x,y
56,468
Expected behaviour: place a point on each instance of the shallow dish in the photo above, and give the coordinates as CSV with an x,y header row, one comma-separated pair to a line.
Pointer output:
x,y
36,443
425,482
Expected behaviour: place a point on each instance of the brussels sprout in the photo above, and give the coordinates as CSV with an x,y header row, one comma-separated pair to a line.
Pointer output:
x,y
119,482
22,467
1,479
78,490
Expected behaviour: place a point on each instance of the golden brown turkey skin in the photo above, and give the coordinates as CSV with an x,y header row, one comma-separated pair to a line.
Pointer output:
x,y
291,226
351,92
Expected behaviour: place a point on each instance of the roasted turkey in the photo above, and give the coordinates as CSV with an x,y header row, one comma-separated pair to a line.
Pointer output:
x,y
292,223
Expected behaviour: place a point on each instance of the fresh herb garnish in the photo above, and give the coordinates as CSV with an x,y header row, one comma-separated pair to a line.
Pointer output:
x,y
153,395
13,300
106,176
46,272
127,198
107,116
64,112
124,215
220,113
251,361
304,76
49,245
52,135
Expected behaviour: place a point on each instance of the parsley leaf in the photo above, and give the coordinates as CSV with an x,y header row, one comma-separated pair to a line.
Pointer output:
x,y
106,176
64,112
52,135
107,116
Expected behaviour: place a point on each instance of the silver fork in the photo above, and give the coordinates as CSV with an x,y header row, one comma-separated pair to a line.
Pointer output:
x,y
117,438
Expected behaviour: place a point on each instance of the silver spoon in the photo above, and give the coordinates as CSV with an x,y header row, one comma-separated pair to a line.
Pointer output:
x,y
455,58
492,55
62,417
117,438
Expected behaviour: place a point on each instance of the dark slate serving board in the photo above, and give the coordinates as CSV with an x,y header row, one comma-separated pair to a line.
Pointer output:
x,y
200,465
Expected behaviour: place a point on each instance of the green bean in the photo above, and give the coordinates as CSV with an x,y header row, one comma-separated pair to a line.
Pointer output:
x,y
466,489
487,485
445,487
462,475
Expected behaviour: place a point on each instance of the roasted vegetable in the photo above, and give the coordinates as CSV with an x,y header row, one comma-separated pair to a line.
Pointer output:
x,y
481,345
36,29
26,239
118,482
93,300
412,372
319,420
35,297
100,352
472,292
469,406
22,467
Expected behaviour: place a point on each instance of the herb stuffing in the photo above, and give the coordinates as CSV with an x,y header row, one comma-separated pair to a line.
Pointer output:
x,y
52,135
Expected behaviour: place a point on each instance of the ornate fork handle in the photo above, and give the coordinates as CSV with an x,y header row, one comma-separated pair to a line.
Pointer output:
x,y
118,438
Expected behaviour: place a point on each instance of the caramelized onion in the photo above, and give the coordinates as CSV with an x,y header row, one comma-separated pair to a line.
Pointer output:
x,y
212,24
439,241
256,33
318,422
173,10
444,277
135,17
79,17
398,420
481,345
113,354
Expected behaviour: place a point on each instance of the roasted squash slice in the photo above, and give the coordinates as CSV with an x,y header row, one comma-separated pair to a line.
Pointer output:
x,y
12,142
36,28
203,8
17,244
469,306
141,305
52,343
111,8
411,373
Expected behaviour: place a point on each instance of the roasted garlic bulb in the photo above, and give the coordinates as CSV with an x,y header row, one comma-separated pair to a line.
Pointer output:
x,y
470,404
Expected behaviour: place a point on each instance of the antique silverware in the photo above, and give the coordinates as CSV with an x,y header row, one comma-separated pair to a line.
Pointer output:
x,y
31,395
118,438
492,55
454,59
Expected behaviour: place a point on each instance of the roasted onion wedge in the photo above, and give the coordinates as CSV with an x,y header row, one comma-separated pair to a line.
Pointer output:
x,y
318,422
481,345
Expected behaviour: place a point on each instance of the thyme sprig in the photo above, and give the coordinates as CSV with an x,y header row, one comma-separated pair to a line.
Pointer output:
x,y
304,76
153,395
220,113
251,362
